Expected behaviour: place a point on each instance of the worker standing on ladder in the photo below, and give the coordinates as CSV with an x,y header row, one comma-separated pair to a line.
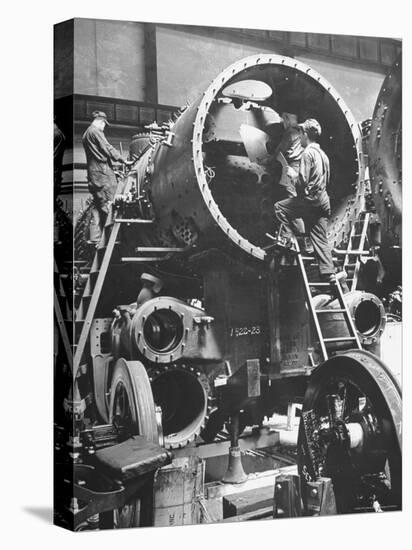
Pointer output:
x,y
102,180
312,201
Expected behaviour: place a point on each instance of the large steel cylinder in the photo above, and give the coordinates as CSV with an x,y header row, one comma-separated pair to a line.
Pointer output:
x,y
205,189
366,310
178,346
182,394
385,157
165,330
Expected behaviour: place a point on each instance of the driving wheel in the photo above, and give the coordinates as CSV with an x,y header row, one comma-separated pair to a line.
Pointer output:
x,y
350,431
132,410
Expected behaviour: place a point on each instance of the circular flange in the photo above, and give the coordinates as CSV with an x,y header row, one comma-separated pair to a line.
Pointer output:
x,y
160,327
181,392
369,316
208,97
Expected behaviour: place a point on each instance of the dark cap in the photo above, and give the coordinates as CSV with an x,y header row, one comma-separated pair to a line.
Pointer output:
x,y
311,127
100,115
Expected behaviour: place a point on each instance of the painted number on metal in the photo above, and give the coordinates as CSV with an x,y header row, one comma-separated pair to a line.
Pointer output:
x,y
245,331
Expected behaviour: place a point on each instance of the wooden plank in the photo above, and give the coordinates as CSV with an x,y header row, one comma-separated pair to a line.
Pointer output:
x,y
262,513
144,259
132,220
159,249
248,501
175,490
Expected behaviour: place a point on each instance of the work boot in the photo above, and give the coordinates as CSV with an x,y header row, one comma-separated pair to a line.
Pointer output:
x,y
341,276
336,278
305,245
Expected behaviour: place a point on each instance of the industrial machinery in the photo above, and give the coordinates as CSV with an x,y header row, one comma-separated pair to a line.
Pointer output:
x,y
237,330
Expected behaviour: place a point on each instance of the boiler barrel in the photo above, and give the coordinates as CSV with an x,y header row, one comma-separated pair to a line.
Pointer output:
x,y
206,190
385,157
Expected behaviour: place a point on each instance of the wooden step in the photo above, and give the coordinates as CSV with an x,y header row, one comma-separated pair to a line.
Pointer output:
x,y
132,220
158,249
339,339
143,259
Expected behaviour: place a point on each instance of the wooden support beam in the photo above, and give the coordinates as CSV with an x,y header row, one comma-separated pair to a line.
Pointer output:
x,y
248,501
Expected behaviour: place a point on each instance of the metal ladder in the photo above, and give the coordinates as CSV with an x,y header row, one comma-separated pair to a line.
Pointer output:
x,y
62,312
335,290
84,313
356,248
292,246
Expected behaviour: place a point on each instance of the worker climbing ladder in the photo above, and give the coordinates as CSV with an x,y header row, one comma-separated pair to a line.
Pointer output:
x,y
333,288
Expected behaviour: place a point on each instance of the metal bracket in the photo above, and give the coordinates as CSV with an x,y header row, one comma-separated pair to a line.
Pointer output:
x,y
287,497
320,497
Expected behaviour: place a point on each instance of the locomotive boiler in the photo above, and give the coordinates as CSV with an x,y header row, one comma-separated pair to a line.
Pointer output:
x,y
230,335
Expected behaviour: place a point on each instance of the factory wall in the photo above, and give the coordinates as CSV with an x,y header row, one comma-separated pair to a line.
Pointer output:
x,y
187,62
155,64
359,88
110,59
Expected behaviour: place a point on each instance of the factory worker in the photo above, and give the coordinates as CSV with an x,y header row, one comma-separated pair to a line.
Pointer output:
x,y
289,152
312,201
100,156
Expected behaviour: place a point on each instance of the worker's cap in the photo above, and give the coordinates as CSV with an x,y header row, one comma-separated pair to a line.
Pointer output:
x,y
311,127
156,282
100,115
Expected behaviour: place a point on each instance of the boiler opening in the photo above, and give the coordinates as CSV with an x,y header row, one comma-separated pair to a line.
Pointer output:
x,y
163,330
238,143
183,401
368,318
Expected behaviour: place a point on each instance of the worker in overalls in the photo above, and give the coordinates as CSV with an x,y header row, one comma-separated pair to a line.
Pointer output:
x,y
289,153
102,180
312,202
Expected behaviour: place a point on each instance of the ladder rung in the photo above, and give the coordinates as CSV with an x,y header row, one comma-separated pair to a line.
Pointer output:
x,y
158,249
319,284
340,339
144,259
351,264
351,252
132,220
331,310
308,258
